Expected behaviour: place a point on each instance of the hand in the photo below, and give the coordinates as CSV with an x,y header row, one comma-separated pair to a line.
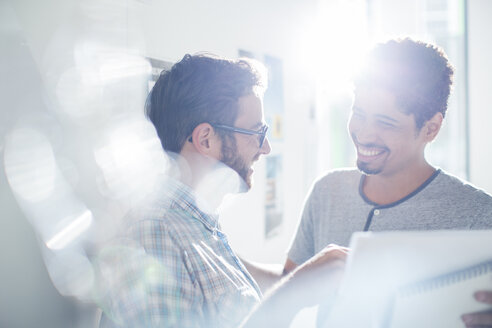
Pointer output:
x,y
315,281
321,275
329,254
480,319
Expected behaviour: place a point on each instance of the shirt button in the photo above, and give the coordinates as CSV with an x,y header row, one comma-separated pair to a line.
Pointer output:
x,y
376,212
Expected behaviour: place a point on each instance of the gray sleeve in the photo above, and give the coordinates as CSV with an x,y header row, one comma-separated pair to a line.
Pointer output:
x,y
302,247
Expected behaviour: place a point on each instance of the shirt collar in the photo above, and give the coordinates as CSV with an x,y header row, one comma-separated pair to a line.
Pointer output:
x,y
182,197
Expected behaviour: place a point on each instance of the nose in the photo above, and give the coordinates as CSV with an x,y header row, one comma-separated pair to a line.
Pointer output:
x,y
362,131
265,148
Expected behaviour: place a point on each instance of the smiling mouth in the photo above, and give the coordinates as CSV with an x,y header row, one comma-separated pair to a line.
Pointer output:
x,y
370,152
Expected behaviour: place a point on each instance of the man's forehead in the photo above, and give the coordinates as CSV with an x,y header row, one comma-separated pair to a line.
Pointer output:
x,y
378,100
374,95
250,110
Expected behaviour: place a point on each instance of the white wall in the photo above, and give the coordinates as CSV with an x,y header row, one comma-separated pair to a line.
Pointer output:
x,y
27,297
480,95
394,18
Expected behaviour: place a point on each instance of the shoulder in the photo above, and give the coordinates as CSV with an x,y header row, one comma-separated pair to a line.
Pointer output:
x,y
164,226
453,187
455,184
339,178
336,184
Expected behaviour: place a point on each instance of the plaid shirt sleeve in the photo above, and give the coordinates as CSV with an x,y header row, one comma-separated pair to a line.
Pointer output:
x,y
155,287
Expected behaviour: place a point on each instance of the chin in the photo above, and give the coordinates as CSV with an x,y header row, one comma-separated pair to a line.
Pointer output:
x,y
245,182
244,187
248,183
247,179
364,168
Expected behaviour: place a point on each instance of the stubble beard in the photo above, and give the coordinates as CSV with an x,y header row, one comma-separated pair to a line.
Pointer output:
x,y
231,158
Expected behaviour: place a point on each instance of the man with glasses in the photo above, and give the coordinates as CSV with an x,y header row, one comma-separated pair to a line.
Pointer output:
x,y
173,266
208,114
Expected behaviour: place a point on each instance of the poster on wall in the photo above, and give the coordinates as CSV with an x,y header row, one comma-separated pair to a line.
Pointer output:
x,y
273,103
273,194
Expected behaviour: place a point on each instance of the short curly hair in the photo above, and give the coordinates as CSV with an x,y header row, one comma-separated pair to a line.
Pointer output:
x,y
418,74
197,89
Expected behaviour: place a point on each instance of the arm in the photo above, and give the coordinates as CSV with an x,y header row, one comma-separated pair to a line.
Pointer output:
x,y
480,319
308,285
303,247
267,275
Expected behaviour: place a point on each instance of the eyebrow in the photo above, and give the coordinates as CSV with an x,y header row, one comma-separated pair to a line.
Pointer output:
x,y
387,118
384,117
258,125
357,109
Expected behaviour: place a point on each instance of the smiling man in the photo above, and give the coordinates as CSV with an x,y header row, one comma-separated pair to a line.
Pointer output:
x,y
400,102
174,266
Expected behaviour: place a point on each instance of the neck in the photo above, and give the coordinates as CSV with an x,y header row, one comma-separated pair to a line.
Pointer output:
x,y
209,179
387,189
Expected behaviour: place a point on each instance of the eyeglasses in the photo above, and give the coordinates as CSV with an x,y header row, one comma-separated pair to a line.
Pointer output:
x,y
261,133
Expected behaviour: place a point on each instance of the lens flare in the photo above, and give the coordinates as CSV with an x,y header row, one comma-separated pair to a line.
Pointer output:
x,y
71,272
131,159
71,231
30,164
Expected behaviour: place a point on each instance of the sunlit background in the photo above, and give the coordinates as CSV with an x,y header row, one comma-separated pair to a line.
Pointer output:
x,y
77,152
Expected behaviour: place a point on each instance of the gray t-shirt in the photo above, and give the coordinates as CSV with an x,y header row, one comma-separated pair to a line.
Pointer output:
x,y
336,207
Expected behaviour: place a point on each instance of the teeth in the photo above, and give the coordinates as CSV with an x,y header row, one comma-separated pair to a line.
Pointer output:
x,y
370,151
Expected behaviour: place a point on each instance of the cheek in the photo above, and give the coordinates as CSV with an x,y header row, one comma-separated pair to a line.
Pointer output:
x,y
359,126
352,129
401,143
247,150
351,126
251,155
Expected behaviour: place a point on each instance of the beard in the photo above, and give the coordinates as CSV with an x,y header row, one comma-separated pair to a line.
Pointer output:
x,y
231,158
364,168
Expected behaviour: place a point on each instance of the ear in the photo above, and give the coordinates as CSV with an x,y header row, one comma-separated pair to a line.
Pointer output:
x,y
205,141
432,126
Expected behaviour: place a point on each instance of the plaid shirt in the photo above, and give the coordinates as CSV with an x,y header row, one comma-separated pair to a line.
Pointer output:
x,y
176,269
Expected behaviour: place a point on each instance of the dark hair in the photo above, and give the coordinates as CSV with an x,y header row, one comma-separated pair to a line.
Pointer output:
x,y
418,74
199,88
